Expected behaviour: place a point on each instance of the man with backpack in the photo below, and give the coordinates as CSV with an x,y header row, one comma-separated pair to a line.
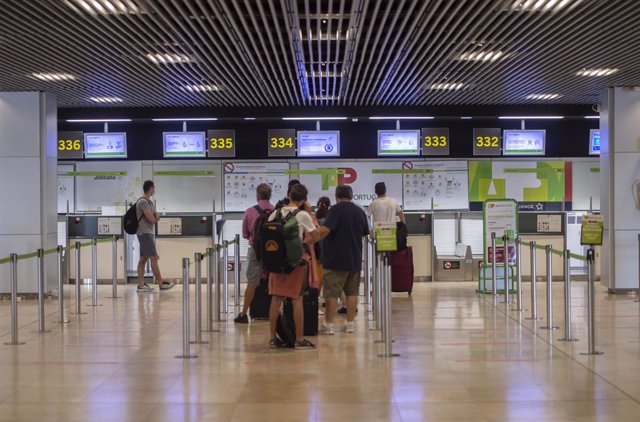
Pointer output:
x,y
253,219
147,219
289,261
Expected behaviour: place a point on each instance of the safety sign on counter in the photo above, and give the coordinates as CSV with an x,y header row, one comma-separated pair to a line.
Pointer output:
x,y
592,228
386,240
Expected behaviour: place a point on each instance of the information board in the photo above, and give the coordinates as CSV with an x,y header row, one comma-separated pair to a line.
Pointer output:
x,y
281,142
109,226
594,142
591,230
500,216
105,145
319,143
445,184
524,142
435,141
70,145
242,179
487,141
183,144
398,142
170,226
221,143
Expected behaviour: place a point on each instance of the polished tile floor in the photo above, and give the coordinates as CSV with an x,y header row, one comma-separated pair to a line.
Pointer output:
x,y
462,359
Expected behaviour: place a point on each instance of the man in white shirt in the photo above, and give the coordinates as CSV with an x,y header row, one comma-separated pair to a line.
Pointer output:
x,y
384,209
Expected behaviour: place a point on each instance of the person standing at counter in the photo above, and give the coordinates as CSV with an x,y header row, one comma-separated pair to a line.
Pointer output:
x,y
285,201
384,209
253,218
147,219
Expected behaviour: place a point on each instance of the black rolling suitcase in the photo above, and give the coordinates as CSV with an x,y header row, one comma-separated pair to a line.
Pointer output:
x,y
261,302
310,309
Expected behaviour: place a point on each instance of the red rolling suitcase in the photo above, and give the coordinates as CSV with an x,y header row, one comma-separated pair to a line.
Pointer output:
x,y
402,271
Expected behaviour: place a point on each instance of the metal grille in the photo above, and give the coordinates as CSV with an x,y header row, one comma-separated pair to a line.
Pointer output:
x,y
232,53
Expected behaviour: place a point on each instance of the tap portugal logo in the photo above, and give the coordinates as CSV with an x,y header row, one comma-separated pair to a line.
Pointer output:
x,y
331,179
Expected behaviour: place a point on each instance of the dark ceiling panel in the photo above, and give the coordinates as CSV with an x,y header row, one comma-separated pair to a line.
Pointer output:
x,y
283,53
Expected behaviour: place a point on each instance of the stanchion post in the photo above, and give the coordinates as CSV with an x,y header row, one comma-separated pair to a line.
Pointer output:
x,y
378,286
638,300
518,245
210,274
505,258
217,311
236,274
374,288
567,297
494,267
78,281
367,281
14,301
549,257
198,297
41,288
60,276
225,278
591,307
534,293
94,273
186,314
387,330
114,268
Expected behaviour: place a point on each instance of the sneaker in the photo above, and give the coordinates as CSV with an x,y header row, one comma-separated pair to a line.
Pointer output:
x,y
276,343
167,286
349,327
145,288
241,319
304,344
326,330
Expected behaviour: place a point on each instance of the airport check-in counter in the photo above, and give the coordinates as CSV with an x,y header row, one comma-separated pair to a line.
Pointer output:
x,y
545,228
456,267
419,227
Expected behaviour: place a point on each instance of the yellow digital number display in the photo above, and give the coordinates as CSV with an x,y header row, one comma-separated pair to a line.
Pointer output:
x,y
435,141
281,143
221,143
69,145
487,141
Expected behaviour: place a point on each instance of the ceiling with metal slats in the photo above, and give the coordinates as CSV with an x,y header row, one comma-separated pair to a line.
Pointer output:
x,y
272,53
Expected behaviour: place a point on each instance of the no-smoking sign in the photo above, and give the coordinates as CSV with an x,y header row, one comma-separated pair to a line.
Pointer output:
x,y
407,165
229,167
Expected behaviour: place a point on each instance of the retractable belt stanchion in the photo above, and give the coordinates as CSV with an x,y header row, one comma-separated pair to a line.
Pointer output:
x,y
78,281
494,268
114,269
378,289
225,278
236,274
591,308
14,301
217,311
534,293
567,297
638,269
549,257
518,245
374,289
41,288
186,346
505,259
367,272
211,270
59,273
387,331
197,261
94,273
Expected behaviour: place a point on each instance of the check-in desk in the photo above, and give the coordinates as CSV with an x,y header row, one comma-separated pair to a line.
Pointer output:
x,y
545,228
456,267
419,227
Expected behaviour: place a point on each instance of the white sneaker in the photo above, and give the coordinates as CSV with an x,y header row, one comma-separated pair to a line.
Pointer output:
x,y
349,327
326,330
145,288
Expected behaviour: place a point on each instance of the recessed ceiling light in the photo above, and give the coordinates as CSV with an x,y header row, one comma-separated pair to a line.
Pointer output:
x,y
168,58
482,56
249,118
185,119
447,86
592,117
97,120
531,117
401,118
52,77
597,72
106,99
200,88
314,118
543,5
543,96
104,7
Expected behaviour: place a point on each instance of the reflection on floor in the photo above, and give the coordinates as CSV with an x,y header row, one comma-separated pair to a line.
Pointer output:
x,y
462,360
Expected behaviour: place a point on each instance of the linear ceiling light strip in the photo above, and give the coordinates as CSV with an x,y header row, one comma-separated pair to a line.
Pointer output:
x,y
292,23
353,36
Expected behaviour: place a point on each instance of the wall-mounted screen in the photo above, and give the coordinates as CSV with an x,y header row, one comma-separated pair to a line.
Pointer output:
x,y
105,145
319,143
594,142
524,142
184,144
398,142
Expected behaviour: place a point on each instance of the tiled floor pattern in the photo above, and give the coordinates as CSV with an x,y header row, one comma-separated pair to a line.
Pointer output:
x,y
462,360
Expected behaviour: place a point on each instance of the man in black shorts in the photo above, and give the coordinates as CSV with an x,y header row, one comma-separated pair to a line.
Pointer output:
x,y
148,218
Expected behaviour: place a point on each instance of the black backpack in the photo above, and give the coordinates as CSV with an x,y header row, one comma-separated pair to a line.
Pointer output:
x,y
401,235
257,227
130,222
280,246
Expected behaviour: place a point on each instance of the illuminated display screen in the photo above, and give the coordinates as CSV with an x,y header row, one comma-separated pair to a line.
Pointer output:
x,y
321,143
398,142
184,144
594,142
524,142
105,145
